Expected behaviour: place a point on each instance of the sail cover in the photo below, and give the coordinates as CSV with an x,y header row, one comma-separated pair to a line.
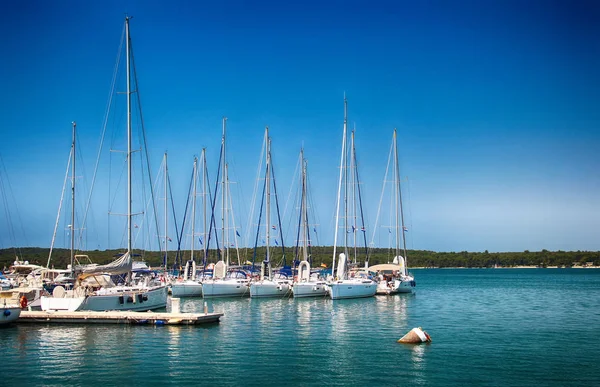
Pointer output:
x,y
118,266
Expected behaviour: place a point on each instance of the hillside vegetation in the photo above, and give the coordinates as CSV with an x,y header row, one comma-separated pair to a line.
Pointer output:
x,y
323,254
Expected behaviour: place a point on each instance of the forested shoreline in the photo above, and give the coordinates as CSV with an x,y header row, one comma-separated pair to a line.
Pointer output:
x,y
323,255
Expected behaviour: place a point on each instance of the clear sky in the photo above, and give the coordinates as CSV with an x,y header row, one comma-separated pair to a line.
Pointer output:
x,y
497,105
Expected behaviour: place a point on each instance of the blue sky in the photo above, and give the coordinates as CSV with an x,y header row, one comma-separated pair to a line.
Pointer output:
x,y
496,104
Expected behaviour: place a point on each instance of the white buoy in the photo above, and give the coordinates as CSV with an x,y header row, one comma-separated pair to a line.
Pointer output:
x,y
205,308
415,336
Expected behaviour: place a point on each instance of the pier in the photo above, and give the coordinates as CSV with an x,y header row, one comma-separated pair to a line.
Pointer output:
x,y
118,317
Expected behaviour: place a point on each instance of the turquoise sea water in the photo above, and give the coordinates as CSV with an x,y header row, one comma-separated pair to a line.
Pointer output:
x,y
503,327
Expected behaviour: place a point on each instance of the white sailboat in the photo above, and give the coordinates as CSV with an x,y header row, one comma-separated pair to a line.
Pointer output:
x,y
304,284
394,277
226,282
343,285
189,285
86,294
269,284
10,309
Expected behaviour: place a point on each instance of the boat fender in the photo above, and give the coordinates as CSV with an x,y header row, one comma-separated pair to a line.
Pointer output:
x,y
6,312
121,299
159,322
140,298
145,297
23,302
129,299
413,284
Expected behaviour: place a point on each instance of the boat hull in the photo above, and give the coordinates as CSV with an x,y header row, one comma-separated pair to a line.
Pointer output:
x,y
118,298
345,289
186,289
309,289
9,314
389,288
268,288
225,288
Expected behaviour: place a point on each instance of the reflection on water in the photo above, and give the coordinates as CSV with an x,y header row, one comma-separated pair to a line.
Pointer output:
x,y
482,334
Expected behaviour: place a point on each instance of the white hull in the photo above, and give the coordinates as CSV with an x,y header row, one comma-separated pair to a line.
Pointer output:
x,y
269,288
309,289
117,298
351,289
395,286
9,314
233,287
187,288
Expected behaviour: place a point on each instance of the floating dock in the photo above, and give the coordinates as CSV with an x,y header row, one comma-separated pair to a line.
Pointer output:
x,y
118,317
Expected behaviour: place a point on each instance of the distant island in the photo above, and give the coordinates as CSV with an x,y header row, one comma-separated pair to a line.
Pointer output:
x,y
322,256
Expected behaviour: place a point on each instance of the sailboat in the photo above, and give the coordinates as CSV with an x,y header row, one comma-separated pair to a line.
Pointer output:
x,y
343,285
190,285
93,290
304,284
394,278
269,284
226,282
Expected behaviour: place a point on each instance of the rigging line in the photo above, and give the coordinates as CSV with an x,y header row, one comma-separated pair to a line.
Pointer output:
x,y
177,235
254,194
104,126
145,142
213,203
382,192
62,195
8,215
362,215
290,191
277,207
15,204
213,221
232,214
187,203
262,202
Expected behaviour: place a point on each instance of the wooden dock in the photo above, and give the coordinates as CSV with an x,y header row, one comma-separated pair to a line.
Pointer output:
x,y
118,317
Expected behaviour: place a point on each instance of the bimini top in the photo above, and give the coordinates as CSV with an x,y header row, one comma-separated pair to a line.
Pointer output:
x,y
385,267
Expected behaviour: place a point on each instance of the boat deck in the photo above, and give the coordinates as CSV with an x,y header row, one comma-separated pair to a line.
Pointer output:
x,y
118,317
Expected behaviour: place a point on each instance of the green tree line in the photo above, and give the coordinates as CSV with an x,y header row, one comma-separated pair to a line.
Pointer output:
x,y
320,255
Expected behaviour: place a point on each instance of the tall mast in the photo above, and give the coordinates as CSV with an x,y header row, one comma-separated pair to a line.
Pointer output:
x,y
399,188
129,177
205,203
73,204
353,184
304,210
166,171
337,210
194,206
223,198
268,193
396,197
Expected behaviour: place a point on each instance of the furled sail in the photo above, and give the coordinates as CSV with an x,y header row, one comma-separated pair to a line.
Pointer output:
x,y
118,266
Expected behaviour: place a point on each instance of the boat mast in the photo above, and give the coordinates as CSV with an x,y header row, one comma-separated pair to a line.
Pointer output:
x,y
194,206
205,203
166,211
337,210
353,187
399,188
304,210
129,164
73,204
224,198
268,199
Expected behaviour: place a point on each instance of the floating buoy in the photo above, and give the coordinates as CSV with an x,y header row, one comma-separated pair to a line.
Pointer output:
x,y
415,336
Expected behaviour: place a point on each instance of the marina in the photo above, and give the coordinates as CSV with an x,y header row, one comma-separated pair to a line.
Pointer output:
x,y
482,331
